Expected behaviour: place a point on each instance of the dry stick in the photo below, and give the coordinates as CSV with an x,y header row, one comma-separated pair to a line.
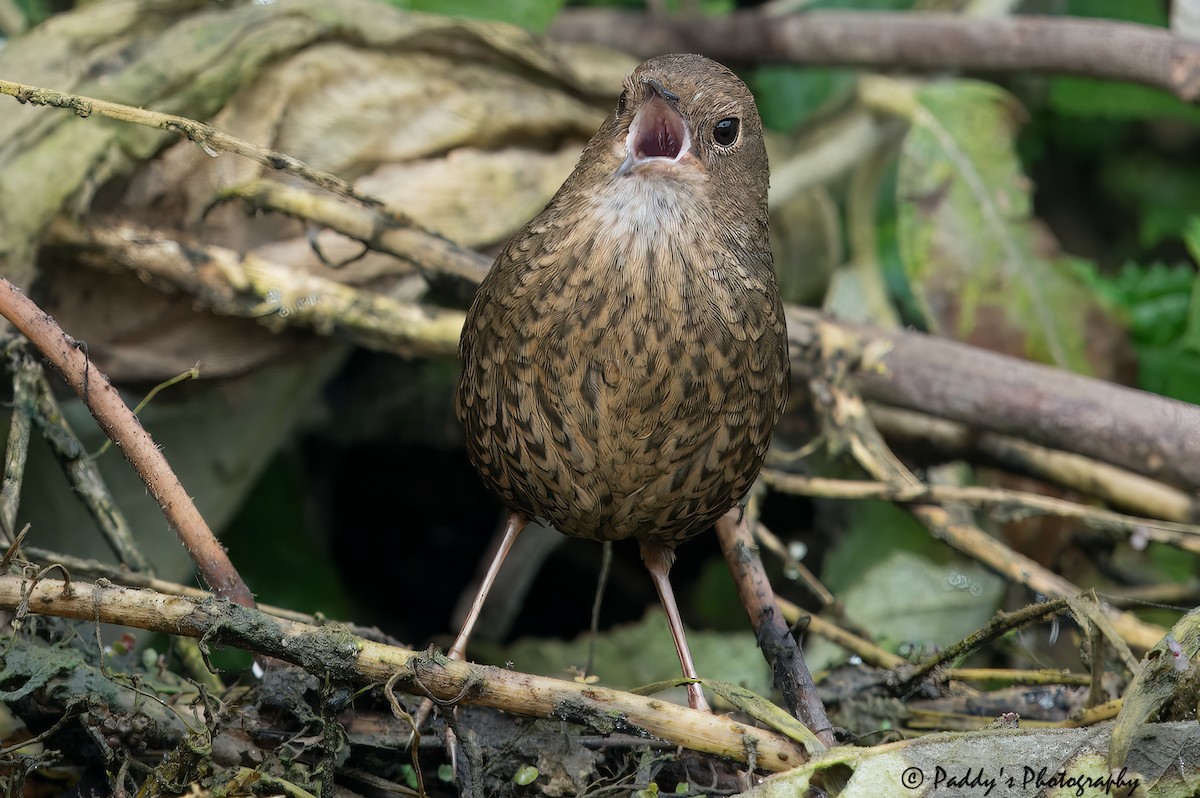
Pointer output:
x,y
332,651
16,453
791,675
1132,429
380,229
1005,502
274,294
207,137
81,470
862,648
919,433
1016,567
836,355
120,424
771,542
94,569
1007,676
901,40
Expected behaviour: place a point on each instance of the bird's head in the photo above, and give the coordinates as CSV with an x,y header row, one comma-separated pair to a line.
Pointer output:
x,y
687,118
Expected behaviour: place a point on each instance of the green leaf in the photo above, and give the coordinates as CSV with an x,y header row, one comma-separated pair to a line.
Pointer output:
x,y
787,95
1163,192
908,599
1162,306
535,15
972,252
766,713
1169,371
525,775
1089,97
1147,13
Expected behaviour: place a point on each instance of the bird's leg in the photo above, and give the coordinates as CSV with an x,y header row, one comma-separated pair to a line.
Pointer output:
x,y
658,559
516,522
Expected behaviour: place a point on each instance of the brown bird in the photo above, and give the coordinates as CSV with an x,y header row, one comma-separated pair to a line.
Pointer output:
x,y
625,360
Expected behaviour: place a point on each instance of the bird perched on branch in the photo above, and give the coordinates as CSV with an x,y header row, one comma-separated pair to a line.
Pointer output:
x,y
625,360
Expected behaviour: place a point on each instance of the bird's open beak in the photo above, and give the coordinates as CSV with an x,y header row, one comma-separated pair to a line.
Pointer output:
x,y
657,133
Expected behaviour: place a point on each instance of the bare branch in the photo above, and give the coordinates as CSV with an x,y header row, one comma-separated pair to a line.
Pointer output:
x,y
901,40
274,294
918,433
81,470
70,359
1143,432
333,651
791,674
1000,501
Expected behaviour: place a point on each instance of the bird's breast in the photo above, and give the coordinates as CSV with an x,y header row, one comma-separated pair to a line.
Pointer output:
x,y
623,357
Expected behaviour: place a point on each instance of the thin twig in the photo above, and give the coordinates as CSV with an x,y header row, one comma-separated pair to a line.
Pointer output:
x,y
801,573
120,424
191,374
927,42
1006,503
1011,676
1001,624
16,452
81,471
860,647
205,136
922,435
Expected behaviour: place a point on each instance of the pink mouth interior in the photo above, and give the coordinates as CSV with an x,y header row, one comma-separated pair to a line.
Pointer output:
x,y
660,131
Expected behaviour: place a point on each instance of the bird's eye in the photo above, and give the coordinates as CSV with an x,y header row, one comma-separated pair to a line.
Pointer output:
x,y
621,102
725,132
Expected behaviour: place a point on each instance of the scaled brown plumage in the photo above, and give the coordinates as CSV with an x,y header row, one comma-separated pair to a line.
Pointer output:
x,y
625,360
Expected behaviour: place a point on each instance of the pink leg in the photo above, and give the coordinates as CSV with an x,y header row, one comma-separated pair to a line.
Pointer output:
x,y
658,559
516,522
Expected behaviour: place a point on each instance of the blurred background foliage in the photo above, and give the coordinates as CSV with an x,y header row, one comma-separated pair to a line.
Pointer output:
x,y
1056,218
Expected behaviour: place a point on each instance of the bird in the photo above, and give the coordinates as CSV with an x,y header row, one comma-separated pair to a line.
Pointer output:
x,y
624,361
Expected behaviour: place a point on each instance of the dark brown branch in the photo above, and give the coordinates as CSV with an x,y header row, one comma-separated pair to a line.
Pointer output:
x,y
69,358
791,675
1139,431
908,41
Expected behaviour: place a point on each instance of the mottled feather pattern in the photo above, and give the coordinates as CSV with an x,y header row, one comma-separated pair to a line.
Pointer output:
x,y
624,362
